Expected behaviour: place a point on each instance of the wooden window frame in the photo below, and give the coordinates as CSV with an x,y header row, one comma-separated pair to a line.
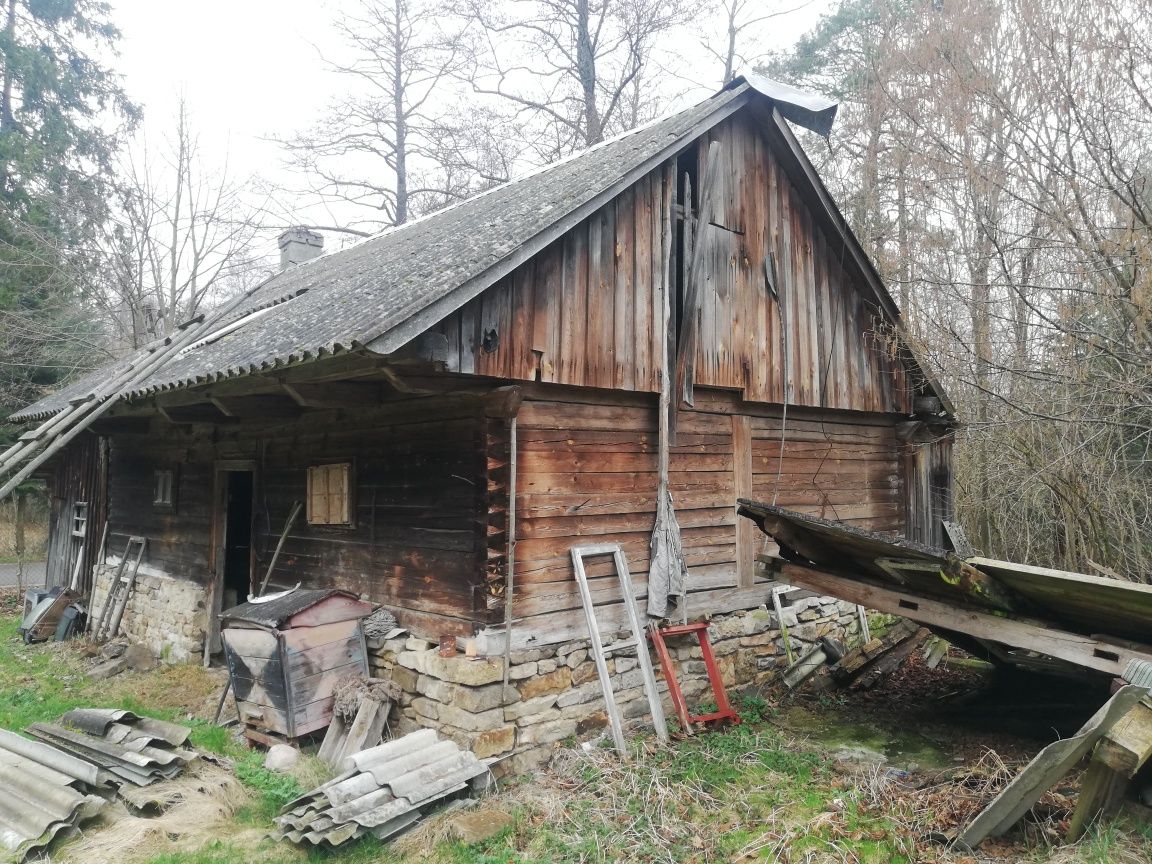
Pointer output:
x,y
167,505
326,469
80,514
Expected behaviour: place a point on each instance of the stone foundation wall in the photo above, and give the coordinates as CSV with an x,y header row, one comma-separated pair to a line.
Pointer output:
x,y
167,615
554,694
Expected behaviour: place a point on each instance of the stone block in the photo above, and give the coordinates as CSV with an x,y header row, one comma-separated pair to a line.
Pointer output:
x,y
623,664
457,670
531,655
480,721
586,672
469,698
543,667
524,670
547,733
529,707
494,742
525,762
576,658
579,695
768,637
479,825
427,708
591,723
757,621
545,716
568,647
556,681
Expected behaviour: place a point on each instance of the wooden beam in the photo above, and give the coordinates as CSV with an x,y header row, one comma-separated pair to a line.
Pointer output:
x,y
1128,745
1082,650
258,406
742,488
686,343
334,394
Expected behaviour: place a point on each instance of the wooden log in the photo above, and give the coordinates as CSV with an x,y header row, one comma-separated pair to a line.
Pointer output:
x,y
1100,790
1128,745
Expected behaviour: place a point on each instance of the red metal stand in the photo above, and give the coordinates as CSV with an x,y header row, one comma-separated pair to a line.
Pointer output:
x,y
723,712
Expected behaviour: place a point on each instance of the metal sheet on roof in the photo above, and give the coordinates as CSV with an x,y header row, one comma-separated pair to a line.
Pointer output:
x,y
387,789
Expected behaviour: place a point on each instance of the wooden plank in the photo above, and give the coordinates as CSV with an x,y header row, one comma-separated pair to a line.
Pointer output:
x,y
746,534
302,639
625,301
1074,648
1128,744
1049,766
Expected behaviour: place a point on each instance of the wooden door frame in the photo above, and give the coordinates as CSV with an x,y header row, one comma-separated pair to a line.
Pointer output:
x,y
215,589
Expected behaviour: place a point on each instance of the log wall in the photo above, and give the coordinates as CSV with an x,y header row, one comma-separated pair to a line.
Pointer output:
x,y
419,539
587,474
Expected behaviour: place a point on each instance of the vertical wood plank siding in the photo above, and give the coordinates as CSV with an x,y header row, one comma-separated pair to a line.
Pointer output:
x,y
78,474
581,312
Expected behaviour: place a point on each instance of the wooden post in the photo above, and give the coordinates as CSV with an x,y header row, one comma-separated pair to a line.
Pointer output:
x,y
742,488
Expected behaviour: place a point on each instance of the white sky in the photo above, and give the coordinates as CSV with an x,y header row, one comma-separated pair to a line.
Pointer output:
x,y
250,69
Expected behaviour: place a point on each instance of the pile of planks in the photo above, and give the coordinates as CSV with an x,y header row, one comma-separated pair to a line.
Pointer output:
x,y
867,665
359,717
385,790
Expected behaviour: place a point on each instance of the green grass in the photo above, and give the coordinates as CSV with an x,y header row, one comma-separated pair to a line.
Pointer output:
x,y
749,790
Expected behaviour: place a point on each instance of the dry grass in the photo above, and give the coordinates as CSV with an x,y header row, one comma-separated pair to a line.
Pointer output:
x,y
201,804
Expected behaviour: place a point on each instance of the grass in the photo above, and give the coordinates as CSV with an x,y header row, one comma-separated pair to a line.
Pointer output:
x,y
755,792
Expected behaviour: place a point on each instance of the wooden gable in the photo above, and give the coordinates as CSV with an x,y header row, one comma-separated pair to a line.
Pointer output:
x,y
583,311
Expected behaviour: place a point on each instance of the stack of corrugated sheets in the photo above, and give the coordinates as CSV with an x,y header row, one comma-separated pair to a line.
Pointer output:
x,y
383,790
125,748
43,792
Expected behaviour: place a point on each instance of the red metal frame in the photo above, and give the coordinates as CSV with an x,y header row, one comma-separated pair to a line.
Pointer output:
x,y
723,710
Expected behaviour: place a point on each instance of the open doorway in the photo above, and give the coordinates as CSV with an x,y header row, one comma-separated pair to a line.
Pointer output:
x,y
238,539
232,553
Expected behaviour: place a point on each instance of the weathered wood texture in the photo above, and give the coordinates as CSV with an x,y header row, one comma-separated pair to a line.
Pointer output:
x,y
419,538
78,475
929,497
587,473
582,311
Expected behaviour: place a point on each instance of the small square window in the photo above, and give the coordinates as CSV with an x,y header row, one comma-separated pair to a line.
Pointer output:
x,y
330,494
164,489
80,519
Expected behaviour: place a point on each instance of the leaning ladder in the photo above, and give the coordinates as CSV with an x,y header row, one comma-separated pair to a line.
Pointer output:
x,y
112,612
600,652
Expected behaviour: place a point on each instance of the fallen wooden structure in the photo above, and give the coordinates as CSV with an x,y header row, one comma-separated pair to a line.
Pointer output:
x,y
1004,612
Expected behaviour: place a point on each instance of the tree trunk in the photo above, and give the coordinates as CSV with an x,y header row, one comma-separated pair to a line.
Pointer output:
x,y
586,66
401,215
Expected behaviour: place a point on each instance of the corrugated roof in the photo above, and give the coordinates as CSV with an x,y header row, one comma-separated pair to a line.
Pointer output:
x,y
43,793
272,613
349,298
382,791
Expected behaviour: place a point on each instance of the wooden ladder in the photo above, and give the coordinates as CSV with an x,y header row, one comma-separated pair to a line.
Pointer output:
x,y
112,612
723,712
599,651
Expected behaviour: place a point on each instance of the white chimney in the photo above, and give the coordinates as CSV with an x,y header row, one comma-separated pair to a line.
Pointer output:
x,y
298,245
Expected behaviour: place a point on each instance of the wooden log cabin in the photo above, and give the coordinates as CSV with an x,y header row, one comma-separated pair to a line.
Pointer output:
x,y
460,400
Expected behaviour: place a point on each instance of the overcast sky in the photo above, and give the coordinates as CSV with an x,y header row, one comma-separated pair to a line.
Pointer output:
x,y
251,69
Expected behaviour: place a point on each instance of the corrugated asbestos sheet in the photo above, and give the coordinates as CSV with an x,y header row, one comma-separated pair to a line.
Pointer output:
x,y
129,760
43,792
382,791
391,287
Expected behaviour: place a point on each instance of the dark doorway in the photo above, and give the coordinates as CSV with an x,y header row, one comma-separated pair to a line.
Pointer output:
x,y
238,538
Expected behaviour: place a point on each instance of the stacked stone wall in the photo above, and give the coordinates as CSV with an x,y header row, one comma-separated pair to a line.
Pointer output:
x,y
166,615
553,692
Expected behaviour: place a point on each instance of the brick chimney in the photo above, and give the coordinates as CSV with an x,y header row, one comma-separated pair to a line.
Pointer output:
x,y
298,245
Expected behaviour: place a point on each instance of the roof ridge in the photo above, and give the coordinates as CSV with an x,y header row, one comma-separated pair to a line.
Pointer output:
x,y
512,181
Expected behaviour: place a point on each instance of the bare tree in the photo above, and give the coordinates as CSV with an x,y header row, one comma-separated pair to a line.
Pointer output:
x,y
739,25
180,234
386,146
566,70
